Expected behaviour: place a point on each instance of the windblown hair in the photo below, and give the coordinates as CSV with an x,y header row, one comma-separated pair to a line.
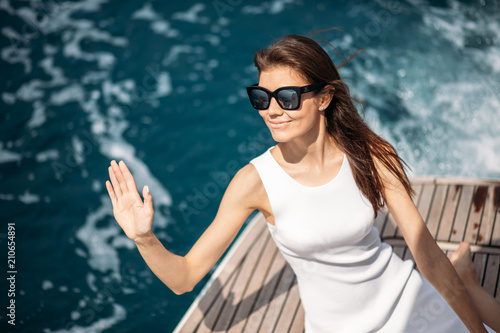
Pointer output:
x,y
343,122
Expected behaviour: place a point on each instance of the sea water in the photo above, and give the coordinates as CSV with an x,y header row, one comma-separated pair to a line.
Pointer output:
x,y
161,85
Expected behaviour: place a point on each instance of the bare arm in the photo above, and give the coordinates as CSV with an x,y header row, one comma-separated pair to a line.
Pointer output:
x,y
180,273
430,259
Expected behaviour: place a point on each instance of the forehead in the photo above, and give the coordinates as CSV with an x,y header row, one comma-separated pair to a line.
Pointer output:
x,y
276,77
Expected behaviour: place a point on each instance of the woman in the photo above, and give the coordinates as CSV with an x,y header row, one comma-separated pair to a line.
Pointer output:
x,y
319,189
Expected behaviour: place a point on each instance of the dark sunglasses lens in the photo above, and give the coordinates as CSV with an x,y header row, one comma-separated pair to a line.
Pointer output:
x,y
289,99
259,99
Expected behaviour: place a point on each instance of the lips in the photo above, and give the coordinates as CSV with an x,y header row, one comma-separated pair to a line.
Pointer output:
x,y
278,124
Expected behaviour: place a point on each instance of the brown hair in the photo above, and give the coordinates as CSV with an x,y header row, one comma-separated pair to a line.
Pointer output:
x,y
343,122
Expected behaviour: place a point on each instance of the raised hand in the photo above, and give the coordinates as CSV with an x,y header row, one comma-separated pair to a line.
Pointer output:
x,y
133,215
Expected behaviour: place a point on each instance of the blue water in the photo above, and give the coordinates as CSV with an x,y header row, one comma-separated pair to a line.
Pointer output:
x,y
161,86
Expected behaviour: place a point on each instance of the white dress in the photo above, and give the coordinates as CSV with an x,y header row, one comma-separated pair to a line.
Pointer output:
x,y
348,280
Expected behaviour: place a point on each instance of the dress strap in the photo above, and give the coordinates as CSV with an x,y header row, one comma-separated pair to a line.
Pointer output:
x,y
277,185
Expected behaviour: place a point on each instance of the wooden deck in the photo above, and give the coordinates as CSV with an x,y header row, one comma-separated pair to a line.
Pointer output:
x,y
254,289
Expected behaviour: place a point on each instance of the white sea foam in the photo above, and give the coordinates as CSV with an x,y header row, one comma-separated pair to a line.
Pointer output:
x,y
91,280
158,24
8,98
78,150
146,13
93,77
192,15
46,284
439,118
38,117
7,197
122,91
9,156
72,47
47,155
28,198
56,73
15,55
163,85
5,5
30,91
100,325
273,7
102,256
72,93
176,50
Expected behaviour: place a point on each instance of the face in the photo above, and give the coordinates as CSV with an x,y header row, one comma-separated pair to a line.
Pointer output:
x,y
288,125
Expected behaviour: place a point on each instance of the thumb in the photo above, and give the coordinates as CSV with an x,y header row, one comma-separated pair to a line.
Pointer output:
x,y
148,200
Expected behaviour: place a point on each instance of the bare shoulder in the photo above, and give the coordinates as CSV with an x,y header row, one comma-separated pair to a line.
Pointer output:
x,y
247,186
389,167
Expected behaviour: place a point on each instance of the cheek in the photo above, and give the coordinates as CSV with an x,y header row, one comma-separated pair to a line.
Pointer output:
x,y
308,114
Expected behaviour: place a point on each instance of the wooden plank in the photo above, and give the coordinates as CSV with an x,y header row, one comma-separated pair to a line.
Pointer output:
x,y
495,236
425,201
466,181
248,269
408,254
436,210
479,260
418,190
254,287
449,246
223,272
276,306
209,321
497,292
289,309
458,231
476,214
380,220
449,211
298,320
491,274
266,294
390,227
399,250
488,219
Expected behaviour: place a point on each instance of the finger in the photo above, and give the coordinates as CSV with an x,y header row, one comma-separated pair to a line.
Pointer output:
x,y
127,175
114,181
119,176
148,200
111,192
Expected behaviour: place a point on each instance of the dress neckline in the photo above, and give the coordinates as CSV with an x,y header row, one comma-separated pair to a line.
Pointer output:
x,y
344,162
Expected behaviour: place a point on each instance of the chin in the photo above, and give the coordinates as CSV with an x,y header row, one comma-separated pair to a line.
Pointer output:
x,y
279,136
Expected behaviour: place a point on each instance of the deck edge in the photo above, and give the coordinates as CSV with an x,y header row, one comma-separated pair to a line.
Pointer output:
x,y
454,180
251,224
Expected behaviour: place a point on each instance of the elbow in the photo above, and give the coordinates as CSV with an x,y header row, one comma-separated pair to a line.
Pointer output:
x,y
180,291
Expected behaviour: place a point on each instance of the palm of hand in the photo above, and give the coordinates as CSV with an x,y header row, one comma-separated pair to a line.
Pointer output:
x,y
133,215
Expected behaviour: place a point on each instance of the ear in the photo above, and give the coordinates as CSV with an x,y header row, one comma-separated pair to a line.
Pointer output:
x,y
326,95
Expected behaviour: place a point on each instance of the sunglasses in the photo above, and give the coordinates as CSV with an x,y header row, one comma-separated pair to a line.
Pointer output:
x,y
288,98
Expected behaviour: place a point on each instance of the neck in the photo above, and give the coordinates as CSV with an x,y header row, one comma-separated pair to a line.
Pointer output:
x,y
312,149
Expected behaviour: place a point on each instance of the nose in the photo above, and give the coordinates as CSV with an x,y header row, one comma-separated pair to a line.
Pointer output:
x,y
274,108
